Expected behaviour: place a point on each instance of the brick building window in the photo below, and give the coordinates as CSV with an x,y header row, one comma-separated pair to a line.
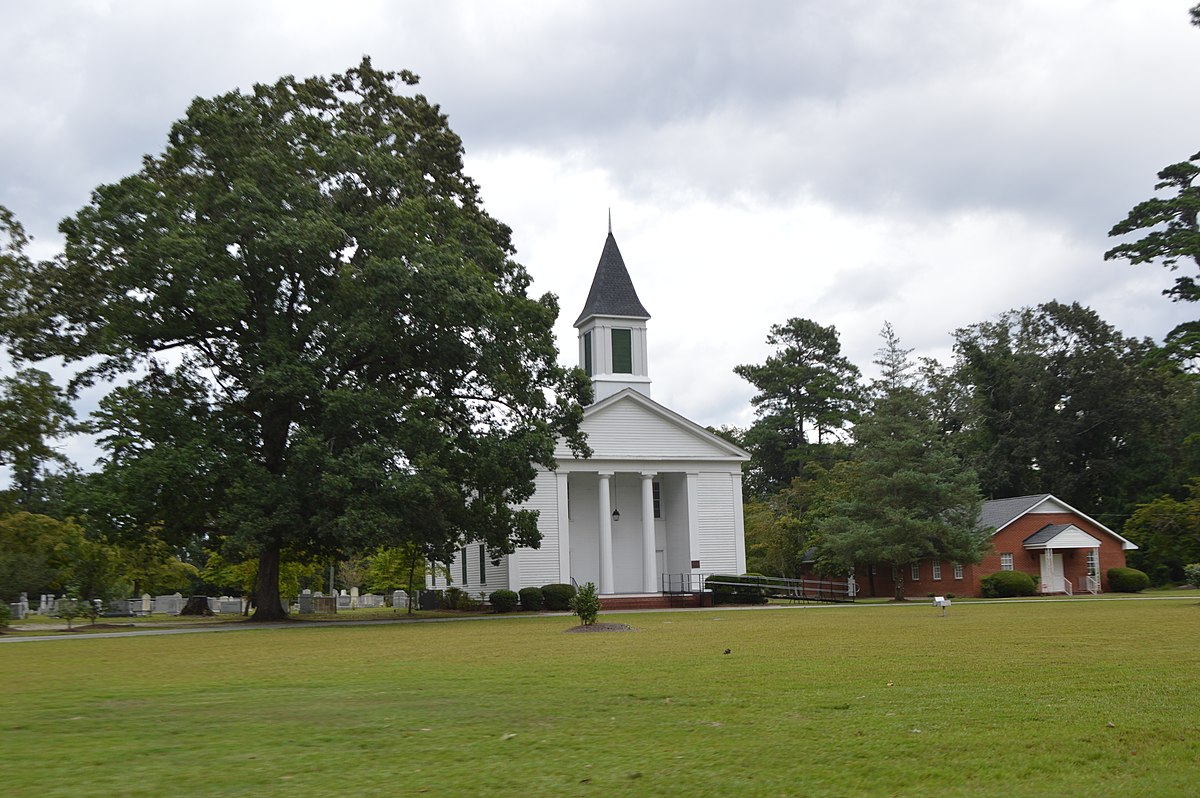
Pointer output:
x,y
958,572
937,569
1006,562
916,571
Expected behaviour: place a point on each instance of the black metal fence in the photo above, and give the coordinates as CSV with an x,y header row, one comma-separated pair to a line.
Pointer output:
x,y
827,590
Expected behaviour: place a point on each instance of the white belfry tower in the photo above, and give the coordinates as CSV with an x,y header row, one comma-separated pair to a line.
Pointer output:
x,y
612,329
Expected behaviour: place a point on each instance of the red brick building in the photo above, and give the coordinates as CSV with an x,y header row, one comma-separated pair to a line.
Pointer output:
x,y
1063,550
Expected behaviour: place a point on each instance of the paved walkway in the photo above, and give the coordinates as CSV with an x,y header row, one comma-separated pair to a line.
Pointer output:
x,y
143,631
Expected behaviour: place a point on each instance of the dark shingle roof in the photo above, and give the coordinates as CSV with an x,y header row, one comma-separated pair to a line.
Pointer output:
x,y
1046,533
612,291
999,512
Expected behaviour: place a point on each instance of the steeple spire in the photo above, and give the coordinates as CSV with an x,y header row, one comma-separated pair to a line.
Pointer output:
x,y
612,327
612,292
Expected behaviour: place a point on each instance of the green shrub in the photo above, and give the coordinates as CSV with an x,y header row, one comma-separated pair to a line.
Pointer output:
x,y
586,604
1004,584
750,591
5,614
1192,574
504,600
532,599
558,596
1127,580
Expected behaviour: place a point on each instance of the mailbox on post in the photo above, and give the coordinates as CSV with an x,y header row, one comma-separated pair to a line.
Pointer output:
x,y
943,602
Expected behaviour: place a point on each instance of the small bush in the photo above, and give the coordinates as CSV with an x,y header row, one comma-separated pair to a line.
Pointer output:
x,y
586,604
1191,573
1127,580
558,596
1004,584
749,592
5,614
504,600
532,599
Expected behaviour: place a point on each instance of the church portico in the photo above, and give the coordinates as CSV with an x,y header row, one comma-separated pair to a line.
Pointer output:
x,y
626,528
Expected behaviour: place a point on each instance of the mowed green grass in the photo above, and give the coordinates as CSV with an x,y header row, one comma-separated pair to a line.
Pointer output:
x,y
1093,698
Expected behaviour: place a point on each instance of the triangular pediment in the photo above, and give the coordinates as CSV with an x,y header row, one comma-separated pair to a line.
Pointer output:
x,y
1061,536
630,426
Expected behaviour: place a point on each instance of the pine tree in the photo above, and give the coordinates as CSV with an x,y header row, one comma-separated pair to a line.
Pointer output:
x,y
910,497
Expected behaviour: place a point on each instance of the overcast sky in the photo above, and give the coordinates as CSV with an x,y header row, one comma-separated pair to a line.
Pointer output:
x,y
931,164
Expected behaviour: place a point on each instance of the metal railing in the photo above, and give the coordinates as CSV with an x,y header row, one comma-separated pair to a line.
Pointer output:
x,y
773,587
1093,584
1067,586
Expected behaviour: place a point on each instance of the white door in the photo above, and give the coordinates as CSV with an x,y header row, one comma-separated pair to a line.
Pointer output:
x,y
1053,578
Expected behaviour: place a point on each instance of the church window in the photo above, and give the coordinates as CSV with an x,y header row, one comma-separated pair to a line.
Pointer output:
x,y
622,351
657,500
587,353
482,565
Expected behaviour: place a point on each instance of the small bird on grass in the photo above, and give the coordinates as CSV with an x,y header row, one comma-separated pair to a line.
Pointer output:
x,y
728,650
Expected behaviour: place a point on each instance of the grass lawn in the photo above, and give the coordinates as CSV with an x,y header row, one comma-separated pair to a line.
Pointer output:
x,y
1092,698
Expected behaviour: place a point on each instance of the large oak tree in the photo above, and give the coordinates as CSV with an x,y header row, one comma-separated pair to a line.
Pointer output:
x,y
338,349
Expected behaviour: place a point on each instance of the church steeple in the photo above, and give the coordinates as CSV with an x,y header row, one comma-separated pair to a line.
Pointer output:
x,y
612,328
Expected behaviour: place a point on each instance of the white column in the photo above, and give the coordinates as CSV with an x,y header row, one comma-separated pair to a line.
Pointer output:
x,y
1047,568
564,527
693,521
739,524
649,567
606,556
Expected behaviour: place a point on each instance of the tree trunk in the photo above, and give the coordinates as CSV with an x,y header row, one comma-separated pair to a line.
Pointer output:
x,y
266,592
196,605
899,583
412,572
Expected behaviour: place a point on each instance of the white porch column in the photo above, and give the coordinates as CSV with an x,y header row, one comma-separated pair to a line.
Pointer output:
x,y
739,524
564,528
649,577
606,556
693,519
1047,569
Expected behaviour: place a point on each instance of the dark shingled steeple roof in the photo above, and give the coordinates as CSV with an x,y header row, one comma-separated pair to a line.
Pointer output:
x,y
612,291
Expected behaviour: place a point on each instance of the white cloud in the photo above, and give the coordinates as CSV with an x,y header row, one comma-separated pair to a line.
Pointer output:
x,y
926,163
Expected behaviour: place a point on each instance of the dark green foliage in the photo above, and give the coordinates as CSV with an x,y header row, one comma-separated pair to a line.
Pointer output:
x,y
908,497
1173,231
1191,572
504,600
1127,580
586,604
5,614
748,590
1006,584
558,597
1167,532
37,554
34,413
807,393
532,599
356,362
1054,400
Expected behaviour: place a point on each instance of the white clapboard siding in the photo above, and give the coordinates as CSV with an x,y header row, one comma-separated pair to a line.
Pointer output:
x,y
497,575
540,566
629,429
715,517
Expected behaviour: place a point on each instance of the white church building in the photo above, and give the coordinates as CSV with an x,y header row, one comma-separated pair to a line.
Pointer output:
x,y
660,496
